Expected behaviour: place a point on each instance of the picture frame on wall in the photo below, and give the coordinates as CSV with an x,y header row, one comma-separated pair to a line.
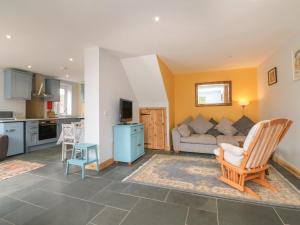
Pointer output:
x,y
296,64
272,76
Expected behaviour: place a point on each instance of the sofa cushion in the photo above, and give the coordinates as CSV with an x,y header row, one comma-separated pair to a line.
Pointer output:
x,y
213,131
243,125
187,120
225,127
184,130
234,140
200,125
205,139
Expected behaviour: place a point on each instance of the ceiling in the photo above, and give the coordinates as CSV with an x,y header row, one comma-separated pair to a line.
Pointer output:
x,y
192,35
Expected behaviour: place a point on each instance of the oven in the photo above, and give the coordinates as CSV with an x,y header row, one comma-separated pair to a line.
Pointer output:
x,y
47,129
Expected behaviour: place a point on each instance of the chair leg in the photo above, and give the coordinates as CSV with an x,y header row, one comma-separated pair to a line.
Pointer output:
x,y
263,182
67,168
251,192
83,172
62,152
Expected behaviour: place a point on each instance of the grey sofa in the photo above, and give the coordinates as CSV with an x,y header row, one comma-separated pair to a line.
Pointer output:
x,y
202,143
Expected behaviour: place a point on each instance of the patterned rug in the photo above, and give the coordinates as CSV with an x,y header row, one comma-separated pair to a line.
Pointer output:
x,y
16,167
199,175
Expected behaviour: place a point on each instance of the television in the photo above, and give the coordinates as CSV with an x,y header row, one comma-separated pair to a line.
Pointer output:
x,y
125,110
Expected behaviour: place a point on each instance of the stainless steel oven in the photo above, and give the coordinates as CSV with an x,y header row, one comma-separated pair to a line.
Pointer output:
x,y
47,129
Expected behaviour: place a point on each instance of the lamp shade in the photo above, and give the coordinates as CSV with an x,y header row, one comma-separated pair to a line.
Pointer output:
x,y
243,102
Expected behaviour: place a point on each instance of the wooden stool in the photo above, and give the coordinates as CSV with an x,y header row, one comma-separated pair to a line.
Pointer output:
x,y
84,158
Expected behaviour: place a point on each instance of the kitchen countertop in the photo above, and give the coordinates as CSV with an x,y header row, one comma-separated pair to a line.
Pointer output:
x,y
35,119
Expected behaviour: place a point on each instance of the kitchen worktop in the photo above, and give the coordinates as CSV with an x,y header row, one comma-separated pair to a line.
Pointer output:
x,y
34,119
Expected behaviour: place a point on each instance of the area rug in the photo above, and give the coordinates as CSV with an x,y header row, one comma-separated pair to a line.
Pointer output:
x,y
15,167
200,175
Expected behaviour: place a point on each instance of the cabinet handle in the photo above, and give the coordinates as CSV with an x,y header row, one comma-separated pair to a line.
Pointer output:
x,y
139,145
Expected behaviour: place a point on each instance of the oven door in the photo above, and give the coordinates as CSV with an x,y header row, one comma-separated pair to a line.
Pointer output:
x,y
47,130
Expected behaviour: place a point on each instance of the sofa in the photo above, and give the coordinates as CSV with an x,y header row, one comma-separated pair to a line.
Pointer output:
x,y
206,142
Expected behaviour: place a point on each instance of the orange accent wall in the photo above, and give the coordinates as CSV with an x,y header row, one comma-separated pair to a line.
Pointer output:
x,y
244,86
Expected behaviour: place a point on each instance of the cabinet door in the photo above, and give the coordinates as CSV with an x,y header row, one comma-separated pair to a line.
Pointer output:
x,y
134,146
21,85
15,134
140,142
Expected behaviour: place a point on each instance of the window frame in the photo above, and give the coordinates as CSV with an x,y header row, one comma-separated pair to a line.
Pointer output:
x,y
216,104
68,89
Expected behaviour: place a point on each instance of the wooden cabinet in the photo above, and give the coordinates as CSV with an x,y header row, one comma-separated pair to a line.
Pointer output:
x,y
15,133
52,90
128,142
154,120
17,84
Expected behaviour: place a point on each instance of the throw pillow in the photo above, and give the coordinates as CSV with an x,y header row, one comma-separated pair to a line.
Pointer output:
x,y
213,131
187,120
184,130
225,127
200,125
244,125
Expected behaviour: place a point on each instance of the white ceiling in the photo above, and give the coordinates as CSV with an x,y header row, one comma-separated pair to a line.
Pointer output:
x,y
192,35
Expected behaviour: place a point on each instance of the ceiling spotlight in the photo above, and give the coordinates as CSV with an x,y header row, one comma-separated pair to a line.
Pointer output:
x,y
29,66
71,59
67,75
156,18
8,36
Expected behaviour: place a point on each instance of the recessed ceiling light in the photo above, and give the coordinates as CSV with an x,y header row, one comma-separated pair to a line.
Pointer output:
x,y
8,36
71,59
67,75
156,18
29,66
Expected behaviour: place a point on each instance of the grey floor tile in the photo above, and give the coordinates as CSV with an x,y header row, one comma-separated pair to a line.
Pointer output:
x,y
23,214
117,186
150,212
68,212
195,201
289,216
115,199
147,191
3,222
9,205
115,176
231,213
200,217
110,216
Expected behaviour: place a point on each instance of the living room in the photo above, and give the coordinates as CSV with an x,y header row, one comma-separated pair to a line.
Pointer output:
x,y
168,113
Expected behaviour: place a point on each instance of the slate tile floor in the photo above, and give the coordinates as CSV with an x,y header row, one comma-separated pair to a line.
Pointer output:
x,y
46,196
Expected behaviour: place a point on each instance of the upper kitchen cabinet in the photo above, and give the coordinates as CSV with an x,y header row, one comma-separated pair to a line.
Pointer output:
x,y
17,84
52,87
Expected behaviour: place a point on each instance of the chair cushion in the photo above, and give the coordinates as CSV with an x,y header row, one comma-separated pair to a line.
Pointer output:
x,y
225,127
184,130
243,125
213,131
252,134
232,154
234,140
200,125
205,139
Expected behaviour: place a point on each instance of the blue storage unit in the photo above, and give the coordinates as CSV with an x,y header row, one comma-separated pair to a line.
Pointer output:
x,y
15,133
128,142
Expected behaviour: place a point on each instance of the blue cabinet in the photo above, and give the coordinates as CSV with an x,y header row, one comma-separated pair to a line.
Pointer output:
x,y
15,133
52,89
128,142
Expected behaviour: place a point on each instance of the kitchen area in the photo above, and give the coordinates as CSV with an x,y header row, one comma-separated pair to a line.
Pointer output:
x,y
33,108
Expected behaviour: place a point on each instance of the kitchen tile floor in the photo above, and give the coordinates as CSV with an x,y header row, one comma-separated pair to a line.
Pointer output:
x,y
46,196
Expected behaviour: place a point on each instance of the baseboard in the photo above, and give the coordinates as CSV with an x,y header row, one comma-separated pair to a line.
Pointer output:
x,y
102,165
287,166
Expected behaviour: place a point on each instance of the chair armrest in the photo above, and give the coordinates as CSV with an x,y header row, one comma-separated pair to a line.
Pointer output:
x,y
176,139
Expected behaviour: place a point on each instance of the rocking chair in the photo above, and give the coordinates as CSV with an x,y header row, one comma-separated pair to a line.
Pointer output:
x,y
239,165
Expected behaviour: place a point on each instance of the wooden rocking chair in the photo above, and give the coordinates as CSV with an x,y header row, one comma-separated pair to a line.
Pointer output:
x,y
239,165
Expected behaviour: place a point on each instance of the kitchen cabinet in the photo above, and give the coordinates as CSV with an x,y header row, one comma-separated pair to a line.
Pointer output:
x,y
52,90
15,133
32,133
17,84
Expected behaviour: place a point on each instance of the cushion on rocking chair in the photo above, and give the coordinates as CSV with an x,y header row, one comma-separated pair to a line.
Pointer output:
x,y
232,154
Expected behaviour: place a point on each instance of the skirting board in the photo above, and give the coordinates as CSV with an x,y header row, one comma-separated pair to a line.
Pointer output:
x,y
103,165
287,166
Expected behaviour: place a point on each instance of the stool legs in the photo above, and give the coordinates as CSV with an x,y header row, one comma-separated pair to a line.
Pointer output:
x,y
67,168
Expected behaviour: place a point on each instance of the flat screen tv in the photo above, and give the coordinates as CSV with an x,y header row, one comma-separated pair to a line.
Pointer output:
x,y
125,110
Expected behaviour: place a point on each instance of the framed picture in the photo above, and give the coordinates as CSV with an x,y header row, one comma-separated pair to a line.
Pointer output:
x,y
296,64
272,76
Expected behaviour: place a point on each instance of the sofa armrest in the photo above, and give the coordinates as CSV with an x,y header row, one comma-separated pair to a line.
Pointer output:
x,y
176,139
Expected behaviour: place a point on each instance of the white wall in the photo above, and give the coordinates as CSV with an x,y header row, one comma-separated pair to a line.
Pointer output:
x,y
18,106
282,99
109,84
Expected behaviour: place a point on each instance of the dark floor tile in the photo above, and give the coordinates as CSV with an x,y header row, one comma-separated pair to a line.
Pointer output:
x,y
68,212
289,216
200,217
23,214
150,212
195,201
9,205
117,186
114,176
232,213
147,191
110,216
115,199
3,222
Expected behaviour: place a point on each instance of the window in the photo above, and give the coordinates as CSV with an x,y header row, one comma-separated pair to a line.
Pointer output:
x,y
213,93
64,107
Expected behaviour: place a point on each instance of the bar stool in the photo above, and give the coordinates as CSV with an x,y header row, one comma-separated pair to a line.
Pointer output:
x,y
84,158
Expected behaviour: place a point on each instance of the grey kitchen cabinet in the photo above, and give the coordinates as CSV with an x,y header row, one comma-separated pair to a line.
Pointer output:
x,y
15,133
32,133
17,84
52,89
82,93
